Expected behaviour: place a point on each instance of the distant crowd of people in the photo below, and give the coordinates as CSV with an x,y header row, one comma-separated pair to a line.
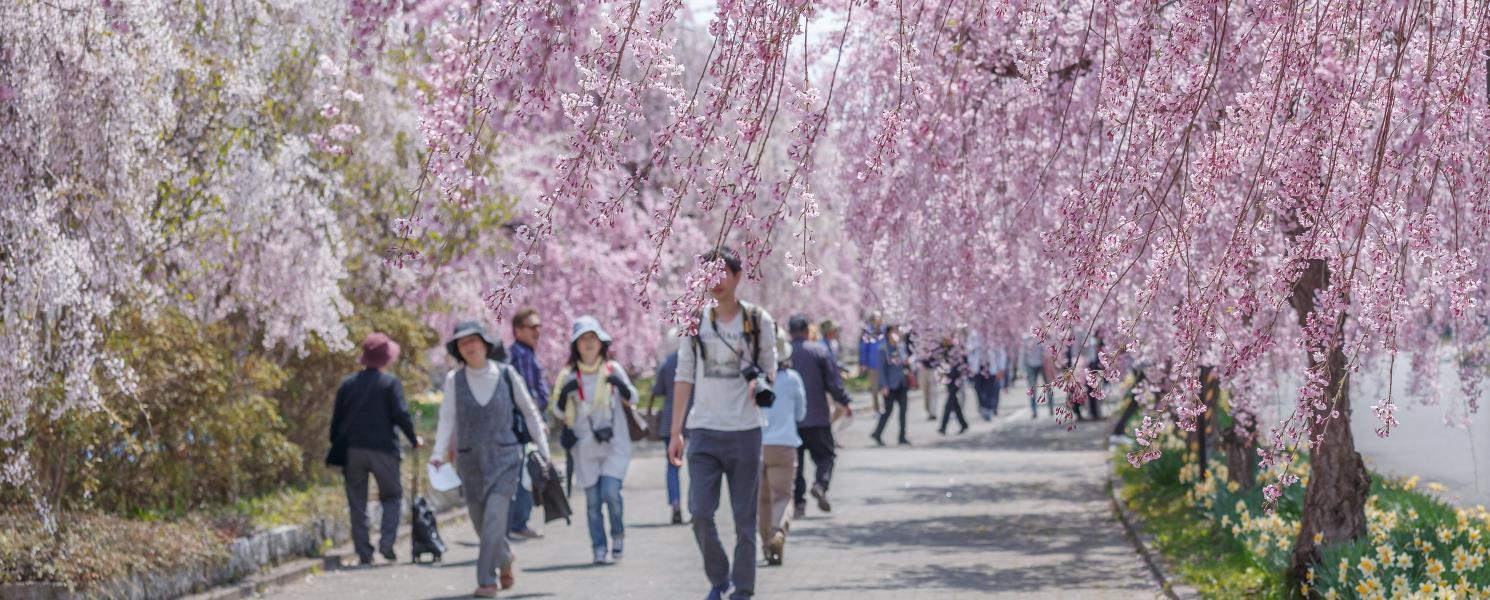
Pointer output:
x,y
745,404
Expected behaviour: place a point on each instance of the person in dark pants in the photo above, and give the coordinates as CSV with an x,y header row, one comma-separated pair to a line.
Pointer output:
x,y
369,405
894,386
733,353
526,327
957,376
814,362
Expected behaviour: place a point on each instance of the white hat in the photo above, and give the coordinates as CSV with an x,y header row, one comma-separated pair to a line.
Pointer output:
x,y
588,324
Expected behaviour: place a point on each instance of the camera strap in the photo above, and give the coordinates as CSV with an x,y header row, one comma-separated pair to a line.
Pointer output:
x,y
748,326
579,378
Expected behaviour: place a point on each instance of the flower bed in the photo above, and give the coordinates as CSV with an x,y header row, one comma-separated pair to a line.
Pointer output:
x,y
1416,545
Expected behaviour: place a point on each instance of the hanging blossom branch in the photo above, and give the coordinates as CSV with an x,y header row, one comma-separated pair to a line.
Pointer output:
x,y
1198,161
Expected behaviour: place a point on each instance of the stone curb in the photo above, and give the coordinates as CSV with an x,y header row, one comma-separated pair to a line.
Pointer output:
x,y
1141,540
296,571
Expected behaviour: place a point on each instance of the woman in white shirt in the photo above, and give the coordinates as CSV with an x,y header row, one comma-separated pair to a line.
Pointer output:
x,y
484,420
587,400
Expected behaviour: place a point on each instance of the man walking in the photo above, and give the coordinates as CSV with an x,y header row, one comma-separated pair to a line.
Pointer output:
x,y
813,361
870,342
526,327
730,364
1032,357
369,405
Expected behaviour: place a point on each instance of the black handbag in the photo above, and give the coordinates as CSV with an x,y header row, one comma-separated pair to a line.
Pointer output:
x,y
519,422
336,456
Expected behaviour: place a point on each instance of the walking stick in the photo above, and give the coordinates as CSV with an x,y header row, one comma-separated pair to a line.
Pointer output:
x,y
415,494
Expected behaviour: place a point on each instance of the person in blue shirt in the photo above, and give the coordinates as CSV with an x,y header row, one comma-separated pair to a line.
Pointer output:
x,y
779,442
893,383
662,386
526,327
871,343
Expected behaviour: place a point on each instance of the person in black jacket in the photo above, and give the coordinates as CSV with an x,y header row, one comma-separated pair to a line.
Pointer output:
x,y
369,405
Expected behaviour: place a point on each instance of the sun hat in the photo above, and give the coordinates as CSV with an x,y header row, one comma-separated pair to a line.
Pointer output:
x,y
465,328
588,324
378,351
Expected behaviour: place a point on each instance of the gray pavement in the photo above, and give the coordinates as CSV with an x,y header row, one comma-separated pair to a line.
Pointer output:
x,y
1423,445
1453,456
1013,508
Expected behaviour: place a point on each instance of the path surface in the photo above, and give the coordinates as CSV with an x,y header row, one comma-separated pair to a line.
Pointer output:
x,y
1457,458
1013,508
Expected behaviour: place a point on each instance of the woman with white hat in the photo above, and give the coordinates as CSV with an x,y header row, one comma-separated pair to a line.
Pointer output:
x,y
485,419
587,400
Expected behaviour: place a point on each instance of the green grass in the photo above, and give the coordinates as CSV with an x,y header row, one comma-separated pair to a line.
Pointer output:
x,y
1203,556
1220,541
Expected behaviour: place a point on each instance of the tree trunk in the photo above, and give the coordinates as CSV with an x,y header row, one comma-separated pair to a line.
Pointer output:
x,y
1335,499
1241,455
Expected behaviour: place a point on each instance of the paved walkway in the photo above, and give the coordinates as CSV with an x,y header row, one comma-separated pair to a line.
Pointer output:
x,y
1013,508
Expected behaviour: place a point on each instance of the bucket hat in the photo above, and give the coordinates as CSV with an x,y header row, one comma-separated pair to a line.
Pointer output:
x,y
377,351
588,324
494,348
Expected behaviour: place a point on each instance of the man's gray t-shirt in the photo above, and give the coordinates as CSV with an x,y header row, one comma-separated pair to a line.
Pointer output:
x,y
721,399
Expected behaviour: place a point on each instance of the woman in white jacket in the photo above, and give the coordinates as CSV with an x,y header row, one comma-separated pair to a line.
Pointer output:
x,y
587,400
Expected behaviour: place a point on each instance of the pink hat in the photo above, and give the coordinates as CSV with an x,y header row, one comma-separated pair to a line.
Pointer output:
x,y
378,351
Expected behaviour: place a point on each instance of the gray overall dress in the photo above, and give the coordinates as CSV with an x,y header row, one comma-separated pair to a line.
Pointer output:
x,y
489,461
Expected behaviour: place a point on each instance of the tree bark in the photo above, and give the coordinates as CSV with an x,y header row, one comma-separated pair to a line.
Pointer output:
x,y
1335,499
1241,455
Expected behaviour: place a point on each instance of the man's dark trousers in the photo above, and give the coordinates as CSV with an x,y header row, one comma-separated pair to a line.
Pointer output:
x,y
818,442
384,468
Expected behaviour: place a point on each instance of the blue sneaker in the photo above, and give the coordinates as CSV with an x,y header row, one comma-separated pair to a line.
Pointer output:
x,y
717,593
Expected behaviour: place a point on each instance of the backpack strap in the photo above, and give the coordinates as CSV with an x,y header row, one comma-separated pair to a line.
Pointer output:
x,y
752,327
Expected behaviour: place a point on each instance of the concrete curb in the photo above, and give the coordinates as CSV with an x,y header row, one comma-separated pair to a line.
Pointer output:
x,y
1141,540
296,571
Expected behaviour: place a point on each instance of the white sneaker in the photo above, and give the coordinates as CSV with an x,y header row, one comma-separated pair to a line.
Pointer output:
x,y
616,545
601,556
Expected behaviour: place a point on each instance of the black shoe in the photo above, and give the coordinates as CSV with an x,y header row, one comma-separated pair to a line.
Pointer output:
x,y
365,561
799,510
821,495
904,442
677,516
963,430
389,555
942,431
930,417
877,440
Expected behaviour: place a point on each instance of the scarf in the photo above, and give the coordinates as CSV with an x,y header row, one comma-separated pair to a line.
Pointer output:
x,y
599,403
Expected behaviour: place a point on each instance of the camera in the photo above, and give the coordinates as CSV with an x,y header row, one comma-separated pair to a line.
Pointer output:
x,y
764,395
603,434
